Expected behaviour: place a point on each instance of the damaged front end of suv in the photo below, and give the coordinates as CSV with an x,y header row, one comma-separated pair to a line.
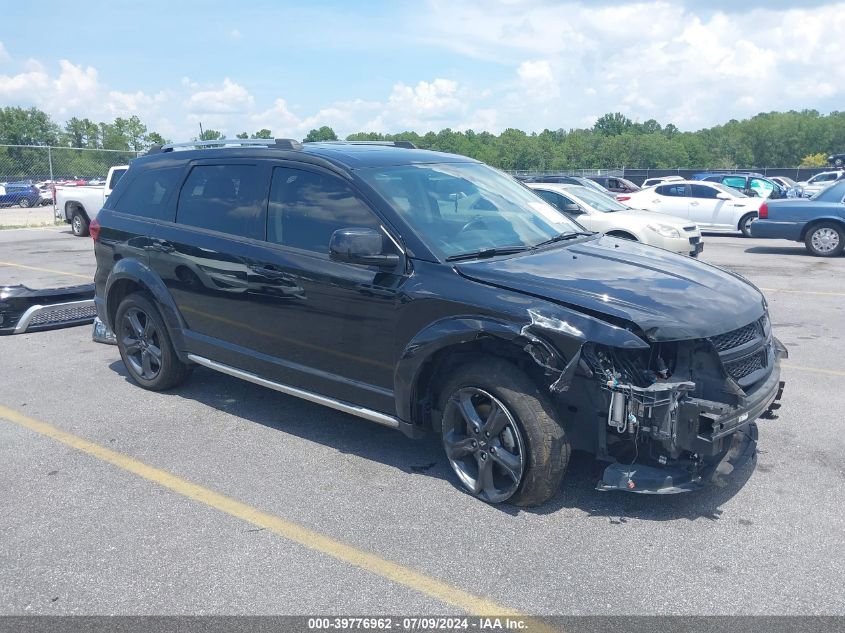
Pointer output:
x,y
680,414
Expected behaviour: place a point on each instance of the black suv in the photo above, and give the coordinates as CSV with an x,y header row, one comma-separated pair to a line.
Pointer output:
x,y
420,290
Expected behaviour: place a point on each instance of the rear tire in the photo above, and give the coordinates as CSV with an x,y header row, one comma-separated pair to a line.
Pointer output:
x,y
745,224
523,456
825,239
145,346
838,162
79,224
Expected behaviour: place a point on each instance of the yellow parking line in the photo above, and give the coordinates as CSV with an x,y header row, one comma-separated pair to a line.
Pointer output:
x,y
805,292
367,561
814,370
47,270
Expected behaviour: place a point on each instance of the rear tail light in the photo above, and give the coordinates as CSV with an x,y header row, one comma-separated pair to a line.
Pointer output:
x,y
94,230
623,198
763,213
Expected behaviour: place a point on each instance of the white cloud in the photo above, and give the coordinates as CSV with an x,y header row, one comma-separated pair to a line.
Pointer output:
x,y
544,63
688,64
538,80
230,98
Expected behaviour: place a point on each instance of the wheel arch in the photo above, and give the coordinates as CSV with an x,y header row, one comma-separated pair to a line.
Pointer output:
x,y
130,275
739,222
71,206
623,234
815,221
445,344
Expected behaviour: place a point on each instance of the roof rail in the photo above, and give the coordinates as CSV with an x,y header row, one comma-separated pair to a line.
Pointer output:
x,y
275,143
403,144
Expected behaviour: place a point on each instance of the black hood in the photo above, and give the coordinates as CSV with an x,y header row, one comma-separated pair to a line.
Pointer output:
x,y
668,296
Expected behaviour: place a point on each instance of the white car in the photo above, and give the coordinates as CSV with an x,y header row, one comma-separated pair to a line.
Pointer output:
x,y
650,182
711,205
598,212
819,181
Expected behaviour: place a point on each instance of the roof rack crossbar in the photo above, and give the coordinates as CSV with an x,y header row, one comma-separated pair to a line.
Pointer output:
x,y
277,143
403,144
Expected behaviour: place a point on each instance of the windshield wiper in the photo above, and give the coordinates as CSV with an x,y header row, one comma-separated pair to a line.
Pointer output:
x,y
488,252
564,236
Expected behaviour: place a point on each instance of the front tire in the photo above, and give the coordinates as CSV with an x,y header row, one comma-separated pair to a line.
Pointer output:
x,y
745,224
24,203
839,162
825,239
500,434
145,346
79,224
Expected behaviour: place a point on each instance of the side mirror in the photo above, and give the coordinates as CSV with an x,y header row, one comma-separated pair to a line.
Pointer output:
x,y
361,246
722,196
571,208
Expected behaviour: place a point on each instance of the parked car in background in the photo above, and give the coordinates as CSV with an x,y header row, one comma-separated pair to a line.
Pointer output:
x,y
820,181
20,194
711,205
598,212
437,295
615,184
837,160
650,182
819,222
750,183
790,186
78,205
573,180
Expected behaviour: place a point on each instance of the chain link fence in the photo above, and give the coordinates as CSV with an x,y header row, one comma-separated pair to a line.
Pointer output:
x,y
34,164
29,172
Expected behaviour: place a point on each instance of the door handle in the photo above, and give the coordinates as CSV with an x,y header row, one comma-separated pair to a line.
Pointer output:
x,y
268,271
693,204
655,200
162,246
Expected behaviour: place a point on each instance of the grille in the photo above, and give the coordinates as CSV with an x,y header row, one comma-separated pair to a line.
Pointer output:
x,y
737,337
62,315
694,240
739,369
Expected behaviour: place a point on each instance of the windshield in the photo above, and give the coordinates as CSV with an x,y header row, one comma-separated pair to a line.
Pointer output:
x,y
734,193
461,208
597,201
592,184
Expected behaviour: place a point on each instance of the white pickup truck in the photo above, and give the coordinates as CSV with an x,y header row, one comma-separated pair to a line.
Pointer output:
x,y
80,204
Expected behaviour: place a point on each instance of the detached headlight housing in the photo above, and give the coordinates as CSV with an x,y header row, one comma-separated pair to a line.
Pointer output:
x,y
665,230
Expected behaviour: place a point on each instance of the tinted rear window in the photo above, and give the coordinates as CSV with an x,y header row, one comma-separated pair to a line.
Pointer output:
x,y
702,191
672,190
226,198
149,193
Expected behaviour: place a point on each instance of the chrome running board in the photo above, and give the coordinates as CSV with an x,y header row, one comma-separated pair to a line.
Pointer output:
x,y
338,405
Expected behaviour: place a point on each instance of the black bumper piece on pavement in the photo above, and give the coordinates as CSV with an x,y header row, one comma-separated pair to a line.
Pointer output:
x,y
23,309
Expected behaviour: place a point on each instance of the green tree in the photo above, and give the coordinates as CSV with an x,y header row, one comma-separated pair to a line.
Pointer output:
x,y
612,124
30,126
265,133
325,133
814,160
242,135
211,135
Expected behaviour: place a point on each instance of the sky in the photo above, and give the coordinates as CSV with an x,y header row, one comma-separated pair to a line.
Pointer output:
x,y
390,66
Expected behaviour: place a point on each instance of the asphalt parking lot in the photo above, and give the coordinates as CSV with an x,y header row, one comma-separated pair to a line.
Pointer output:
x,y
222,497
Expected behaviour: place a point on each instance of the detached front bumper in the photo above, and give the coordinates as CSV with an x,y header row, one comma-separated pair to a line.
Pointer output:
x,y
23,309
722,438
